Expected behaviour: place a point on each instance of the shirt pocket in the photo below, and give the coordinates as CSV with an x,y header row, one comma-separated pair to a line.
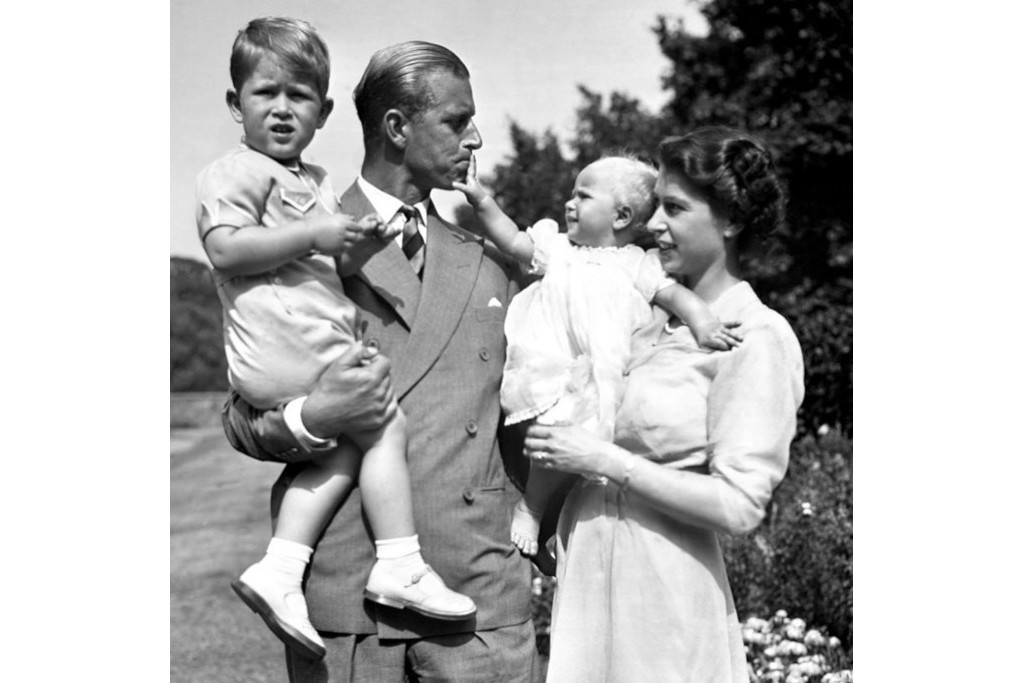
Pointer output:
x,y
300,201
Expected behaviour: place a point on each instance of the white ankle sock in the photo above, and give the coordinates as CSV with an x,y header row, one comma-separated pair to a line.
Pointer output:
x,y
400,554
288,557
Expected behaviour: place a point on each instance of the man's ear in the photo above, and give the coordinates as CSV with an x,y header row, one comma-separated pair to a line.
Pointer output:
x,y
325,110
395,122
234,105
623,217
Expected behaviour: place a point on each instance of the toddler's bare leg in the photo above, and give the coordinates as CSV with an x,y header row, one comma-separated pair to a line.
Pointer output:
x,y
400,577
272,587
313,496
384,480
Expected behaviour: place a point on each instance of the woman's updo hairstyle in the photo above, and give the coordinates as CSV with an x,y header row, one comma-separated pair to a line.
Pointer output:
x,y
736,174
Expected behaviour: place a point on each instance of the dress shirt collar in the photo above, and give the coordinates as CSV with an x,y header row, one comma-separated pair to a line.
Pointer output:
x,y
388,206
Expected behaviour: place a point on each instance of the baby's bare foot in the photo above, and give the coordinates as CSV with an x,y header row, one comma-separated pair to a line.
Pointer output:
x,y
525,528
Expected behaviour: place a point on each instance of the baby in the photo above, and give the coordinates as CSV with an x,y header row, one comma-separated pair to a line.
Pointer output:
x,y
271,226
569,333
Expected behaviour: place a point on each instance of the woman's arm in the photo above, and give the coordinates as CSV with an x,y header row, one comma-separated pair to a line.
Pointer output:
x,y
752,407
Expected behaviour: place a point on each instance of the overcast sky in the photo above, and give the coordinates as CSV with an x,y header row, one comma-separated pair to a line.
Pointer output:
x,y
525,59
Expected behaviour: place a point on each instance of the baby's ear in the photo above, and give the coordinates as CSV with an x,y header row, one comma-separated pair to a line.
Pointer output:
x,y
623,217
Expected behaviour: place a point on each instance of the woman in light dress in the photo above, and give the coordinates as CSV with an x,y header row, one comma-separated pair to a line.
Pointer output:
x,y
701,440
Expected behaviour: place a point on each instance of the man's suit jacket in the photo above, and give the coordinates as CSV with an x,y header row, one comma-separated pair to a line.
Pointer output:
x,y
445,340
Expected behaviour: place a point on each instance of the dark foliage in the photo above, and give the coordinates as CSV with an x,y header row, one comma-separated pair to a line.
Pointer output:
x,y
197,346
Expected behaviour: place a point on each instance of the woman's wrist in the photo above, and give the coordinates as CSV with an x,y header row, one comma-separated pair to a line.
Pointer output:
x,y
618,464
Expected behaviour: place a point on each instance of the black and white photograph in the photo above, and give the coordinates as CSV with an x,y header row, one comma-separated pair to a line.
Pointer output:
x,y
511,341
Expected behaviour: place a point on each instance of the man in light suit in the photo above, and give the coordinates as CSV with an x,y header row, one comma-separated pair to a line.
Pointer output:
x,y
437,315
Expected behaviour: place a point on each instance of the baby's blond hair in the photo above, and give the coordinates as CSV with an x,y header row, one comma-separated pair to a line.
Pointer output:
x,y
635,185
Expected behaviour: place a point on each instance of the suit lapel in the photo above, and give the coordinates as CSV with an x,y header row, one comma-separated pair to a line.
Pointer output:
x,y
388,272
449,275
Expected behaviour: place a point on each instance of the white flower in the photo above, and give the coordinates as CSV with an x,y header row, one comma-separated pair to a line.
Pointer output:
x,y
808,668
756,624
834,642
792,648
796,629
795,677
823,430
814,638
776,664
752,636
806,509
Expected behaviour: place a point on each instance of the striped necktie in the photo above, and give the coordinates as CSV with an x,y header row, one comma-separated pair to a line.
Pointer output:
x,y
412,240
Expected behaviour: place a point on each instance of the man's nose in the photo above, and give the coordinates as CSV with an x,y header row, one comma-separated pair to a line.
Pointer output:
x,y
472,138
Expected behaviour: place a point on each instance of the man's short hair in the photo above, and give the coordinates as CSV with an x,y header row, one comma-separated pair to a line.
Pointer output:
x,y
295,43
395,79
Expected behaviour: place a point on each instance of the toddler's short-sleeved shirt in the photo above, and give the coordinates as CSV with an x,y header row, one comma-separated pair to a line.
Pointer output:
x,y
283,327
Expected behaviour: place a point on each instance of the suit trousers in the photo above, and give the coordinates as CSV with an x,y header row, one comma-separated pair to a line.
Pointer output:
x,y
508,655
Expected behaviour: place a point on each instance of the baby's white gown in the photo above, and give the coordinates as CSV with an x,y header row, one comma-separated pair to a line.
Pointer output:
x,y
569,333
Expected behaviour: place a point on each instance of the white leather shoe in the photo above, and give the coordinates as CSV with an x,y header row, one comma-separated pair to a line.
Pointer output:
x,y
425,593
283,607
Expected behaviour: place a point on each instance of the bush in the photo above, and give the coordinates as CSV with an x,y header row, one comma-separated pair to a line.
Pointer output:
x,y
197,344
784,650
801,558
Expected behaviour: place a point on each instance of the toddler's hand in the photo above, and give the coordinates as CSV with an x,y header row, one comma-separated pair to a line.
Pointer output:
x,y
340,233
717,335
471,187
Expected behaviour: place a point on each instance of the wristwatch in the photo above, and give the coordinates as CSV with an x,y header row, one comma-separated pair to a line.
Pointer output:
x,y
308,442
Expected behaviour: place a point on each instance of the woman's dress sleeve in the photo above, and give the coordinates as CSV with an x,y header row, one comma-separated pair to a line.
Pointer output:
x,y
752,405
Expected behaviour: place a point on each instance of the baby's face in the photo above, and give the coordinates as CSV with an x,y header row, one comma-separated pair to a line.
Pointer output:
x,y
279,110
590,212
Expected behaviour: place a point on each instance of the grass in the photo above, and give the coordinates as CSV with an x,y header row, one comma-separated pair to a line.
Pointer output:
x,y
220,522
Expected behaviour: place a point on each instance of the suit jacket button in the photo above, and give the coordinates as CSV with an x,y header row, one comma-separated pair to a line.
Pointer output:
x,y
485,354
471,428
468,495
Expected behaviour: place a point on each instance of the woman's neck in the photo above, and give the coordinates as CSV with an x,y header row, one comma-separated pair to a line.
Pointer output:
x,y
715,280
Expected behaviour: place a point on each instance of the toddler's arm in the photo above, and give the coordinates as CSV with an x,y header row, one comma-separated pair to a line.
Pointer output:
x,y
708,330
499,228
252,250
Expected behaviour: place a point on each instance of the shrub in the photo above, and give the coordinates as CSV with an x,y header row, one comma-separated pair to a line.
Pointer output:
x,y
801,558
784,650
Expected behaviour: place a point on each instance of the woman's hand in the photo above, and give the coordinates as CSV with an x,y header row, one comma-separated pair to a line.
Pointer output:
x,y
567,448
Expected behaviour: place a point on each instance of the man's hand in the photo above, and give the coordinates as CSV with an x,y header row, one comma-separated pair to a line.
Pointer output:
x,y
352,395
